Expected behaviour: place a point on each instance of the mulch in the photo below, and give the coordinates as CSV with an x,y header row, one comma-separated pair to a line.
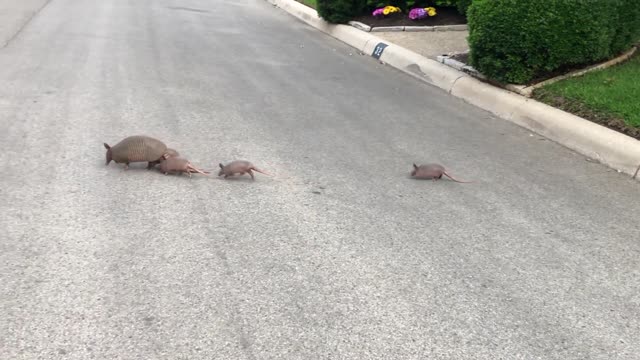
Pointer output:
x,y
444,16
464,58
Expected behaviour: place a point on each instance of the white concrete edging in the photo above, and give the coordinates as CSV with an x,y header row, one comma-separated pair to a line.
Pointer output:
x,y
528,90
609,147
411,28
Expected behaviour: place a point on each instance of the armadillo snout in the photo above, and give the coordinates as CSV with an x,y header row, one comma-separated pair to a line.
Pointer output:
x,y
109,157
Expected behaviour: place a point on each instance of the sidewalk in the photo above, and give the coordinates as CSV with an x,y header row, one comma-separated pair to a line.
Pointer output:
x,y
429,44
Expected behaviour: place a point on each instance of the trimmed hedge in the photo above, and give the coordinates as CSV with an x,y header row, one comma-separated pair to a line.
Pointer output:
x,y
518,40
463,6
628,25
340,11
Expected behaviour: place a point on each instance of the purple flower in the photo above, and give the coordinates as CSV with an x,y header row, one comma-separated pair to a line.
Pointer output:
x,y
417,13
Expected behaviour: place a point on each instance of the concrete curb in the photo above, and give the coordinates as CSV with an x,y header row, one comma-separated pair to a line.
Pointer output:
x,y
609,147
616,150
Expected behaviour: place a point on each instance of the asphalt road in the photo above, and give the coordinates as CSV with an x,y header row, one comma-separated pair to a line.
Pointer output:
x,y
338,255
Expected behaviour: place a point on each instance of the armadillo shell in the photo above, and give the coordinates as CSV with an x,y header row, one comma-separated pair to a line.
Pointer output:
x,y
138,148
237,166
173,164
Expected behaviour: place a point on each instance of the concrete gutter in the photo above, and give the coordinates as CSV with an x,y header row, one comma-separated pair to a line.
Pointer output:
x,y
609,147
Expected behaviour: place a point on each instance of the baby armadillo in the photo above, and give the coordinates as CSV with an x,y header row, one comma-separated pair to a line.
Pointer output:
x,y
238,167
176,164
170,152
431,171
136,148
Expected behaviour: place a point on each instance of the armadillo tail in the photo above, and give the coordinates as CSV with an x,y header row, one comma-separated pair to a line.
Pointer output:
x,y
191,167
450,177
260,171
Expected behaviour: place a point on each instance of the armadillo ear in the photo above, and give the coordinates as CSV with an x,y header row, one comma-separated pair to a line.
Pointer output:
x,y
221,166
106,146
415,166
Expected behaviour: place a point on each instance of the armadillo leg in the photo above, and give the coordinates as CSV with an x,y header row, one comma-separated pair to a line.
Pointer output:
x,y
251,174
126,166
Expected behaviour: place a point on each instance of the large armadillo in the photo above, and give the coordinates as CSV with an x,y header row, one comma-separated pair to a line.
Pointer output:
x,y
138,148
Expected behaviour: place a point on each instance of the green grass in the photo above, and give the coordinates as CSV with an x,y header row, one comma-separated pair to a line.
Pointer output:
x,y
614,91
309,3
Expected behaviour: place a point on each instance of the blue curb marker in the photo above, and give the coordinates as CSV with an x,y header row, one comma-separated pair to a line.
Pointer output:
x,y
377,52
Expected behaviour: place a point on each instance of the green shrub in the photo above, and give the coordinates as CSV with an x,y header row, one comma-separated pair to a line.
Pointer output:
x,y
518,40
463,5
627,30
402,4
445,3
340,11
374,4
460,5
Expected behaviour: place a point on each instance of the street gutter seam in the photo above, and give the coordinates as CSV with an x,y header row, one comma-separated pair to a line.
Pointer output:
x,y
24,25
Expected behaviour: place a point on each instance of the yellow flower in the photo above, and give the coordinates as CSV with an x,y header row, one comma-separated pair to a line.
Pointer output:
x,y
431,11
390,9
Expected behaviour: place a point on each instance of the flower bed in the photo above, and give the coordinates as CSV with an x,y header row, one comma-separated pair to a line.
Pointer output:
x,y
442,16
